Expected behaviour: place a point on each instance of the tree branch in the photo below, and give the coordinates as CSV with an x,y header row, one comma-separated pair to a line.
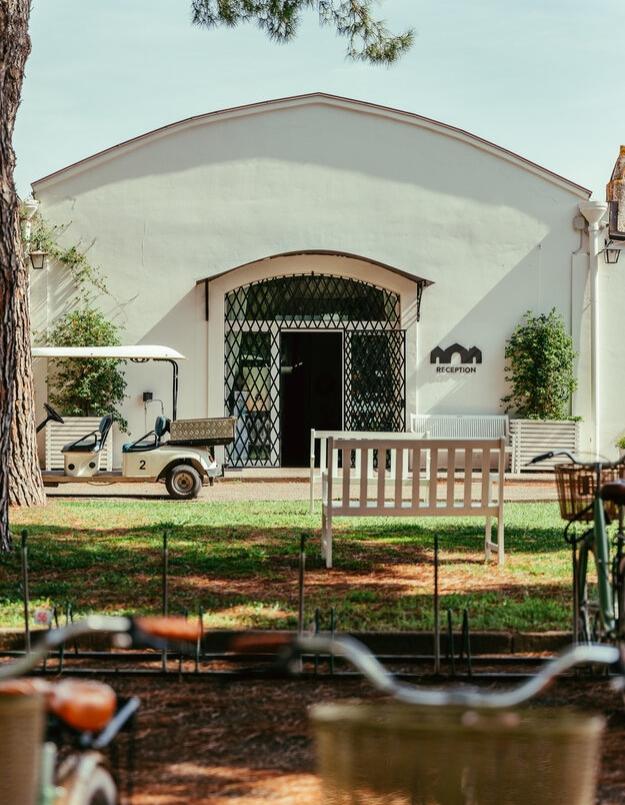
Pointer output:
x,y
368,39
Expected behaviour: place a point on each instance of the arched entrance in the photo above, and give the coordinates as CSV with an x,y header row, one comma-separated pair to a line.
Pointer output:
x,y
310,350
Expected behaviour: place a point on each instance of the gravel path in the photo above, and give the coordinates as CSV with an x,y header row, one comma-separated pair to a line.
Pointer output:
x,y
240,490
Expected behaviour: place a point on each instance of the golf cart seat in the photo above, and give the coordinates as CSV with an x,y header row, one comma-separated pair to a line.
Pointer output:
x,y
151,440
92,442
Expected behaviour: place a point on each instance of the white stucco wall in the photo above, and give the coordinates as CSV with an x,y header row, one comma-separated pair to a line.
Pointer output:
x,y
493,234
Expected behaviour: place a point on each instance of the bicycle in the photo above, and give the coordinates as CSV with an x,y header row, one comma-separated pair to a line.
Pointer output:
x,y
448,746
594,492
83,717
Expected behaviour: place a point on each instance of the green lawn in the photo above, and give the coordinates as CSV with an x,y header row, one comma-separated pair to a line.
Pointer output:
x,y
239,562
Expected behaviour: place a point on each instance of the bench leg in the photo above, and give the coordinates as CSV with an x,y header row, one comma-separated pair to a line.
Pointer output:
x,y
329,542
326,536
488,533
500,542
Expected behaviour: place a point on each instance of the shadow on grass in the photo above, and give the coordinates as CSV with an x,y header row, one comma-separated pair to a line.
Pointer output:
x,y
237,552
254,568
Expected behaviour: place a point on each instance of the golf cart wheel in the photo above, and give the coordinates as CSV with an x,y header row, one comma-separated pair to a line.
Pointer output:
x,y
183,482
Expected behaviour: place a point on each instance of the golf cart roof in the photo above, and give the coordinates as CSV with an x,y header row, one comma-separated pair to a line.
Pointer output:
x,y
138,352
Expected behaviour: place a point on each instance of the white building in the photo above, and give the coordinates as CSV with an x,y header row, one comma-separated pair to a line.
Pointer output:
x,y
308,254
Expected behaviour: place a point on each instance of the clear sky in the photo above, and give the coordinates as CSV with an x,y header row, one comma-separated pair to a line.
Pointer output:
x,y
540,77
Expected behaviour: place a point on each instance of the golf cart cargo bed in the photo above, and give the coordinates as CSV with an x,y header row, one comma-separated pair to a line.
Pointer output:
x,y
202,432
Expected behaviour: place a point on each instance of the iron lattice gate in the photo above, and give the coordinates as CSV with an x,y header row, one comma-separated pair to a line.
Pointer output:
x,y
375,380
374,356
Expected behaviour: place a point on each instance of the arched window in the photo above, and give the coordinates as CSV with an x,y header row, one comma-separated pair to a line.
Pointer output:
x,y
307,300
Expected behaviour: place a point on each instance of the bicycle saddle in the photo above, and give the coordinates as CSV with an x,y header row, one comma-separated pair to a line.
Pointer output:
x,y
84,705
614,492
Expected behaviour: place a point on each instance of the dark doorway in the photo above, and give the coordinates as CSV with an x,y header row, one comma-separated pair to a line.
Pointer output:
x,y
311,391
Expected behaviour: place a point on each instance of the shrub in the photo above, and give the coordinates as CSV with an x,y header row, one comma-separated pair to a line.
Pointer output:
x,y
83,387
539,367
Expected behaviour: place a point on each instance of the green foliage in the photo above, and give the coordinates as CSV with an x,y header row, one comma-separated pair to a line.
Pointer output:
x,y
80,387
539,368
621,443
86,277
86,387
368,39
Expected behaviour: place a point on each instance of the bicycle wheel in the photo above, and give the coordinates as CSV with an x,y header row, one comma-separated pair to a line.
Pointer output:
x,y
89,785
102,789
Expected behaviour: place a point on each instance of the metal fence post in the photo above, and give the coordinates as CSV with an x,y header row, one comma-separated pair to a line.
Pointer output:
x,y
165,590
25,591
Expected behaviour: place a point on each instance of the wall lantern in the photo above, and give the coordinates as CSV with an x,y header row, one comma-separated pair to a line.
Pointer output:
x,y
38,259
612,251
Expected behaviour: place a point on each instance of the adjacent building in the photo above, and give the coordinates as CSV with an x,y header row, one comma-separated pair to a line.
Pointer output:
x,y
326,262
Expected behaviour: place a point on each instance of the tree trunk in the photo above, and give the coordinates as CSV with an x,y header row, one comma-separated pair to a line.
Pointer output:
x,y
14,314
25,484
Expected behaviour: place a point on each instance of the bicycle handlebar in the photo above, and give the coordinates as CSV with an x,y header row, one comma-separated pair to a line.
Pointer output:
x,y
604,463
541,457
364,661
153,632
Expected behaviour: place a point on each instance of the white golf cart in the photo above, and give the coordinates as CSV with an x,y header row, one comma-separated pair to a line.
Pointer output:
x,y
176,452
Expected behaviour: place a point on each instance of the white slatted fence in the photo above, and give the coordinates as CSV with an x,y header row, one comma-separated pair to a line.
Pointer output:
x,y
531,437
57,436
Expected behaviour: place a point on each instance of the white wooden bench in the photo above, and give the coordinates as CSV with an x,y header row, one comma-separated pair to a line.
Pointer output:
x,y
461,491
322,436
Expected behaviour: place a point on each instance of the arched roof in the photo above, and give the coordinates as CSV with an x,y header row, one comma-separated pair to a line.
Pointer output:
x,y
319,98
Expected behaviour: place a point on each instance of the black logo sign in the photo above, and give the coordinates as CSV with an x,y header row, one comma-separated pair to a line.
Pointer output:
x,y
469,358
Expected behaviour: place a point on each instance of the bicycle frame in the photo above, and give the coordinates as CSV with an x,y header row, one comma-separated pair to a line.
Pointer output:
x,y
595,540
602,560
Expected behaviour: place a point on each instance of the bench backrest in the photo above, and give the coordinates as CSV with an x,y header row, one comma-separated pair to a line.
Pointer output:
x,y
411,491
324,435
461,426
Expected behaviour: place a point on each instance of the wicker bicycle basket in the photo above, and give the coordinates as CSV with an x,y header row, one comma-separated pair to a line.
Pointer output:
x,y
21,736
576,490
388,753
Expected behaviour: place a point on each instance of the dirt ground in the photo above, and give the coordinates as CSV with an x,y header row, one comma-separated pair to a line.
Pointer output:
x,y
240,742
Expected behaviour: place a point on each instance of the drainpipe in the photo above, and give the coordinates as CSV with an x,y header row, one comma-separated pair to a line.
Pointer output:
x,y
594,212
29,207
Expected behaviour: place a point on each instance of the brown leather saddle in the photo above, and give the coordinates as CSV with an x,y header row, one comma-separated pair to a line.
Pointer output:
x,y
614,492
85,705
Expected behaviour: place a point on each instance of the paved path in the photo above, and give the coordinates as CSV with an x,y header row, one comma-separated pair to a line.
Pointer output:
x,y
240,490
